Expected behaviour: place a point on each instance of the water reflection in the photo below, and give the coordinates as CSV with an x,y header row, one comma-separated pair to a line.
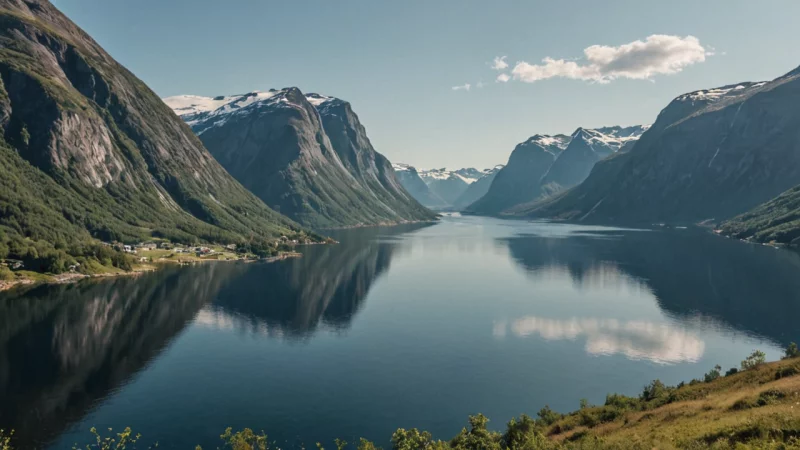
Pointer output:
x,y
636,339
323,289
692,274
63,348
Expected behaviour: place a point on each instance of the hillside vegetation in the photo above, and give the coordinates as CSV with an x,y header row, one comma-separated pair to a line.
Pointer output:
x,y
777,221
755,407
88,153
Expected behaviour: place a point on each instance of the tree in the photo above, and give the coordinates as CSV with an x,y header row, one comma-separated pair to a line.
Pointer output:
x,y
755,359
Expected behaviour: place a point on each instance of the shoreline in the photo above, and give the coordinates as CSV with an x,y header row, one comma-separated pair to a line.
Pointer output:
x,y
74,277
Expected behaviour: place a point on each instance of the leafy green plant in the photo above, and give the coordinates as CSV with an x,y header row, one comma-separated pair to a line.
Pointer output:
x,y
755,359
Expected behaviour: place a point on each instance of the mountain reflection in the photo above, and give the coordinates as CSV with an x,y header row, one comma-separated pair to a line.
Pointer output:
x,y
324,288
64,348
692,274
655,342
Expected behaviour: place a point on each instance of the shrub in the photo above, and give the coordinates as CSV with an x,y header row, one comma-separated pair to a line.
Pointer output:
x,y
244,440
622,401
547,416
731,371
755,359
412,439
713,374
653,391
6,275
791,351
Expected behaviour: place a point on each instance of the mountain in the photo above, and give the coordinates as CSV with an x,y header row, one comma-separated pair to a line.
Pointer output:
x,y
586,147
442,189
478,188
448,184
520,180
711,154
777,220
413,183
307,156
87,150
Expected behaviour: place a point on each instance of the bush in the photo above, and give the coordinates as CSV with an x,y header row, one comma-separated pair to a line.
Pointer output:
x,y
755,359
547,416
244,440
731,371
713,374
6,275
412,439
654,391
791,351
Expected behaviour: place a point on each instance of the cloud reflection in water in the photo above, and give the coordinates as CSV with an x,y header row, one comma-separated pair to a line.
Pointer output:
x,y
636,339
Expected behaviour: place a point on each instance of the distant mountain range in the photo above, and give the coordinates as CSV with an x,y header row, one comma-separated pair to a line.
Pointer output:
x,y
306,156
711,155
544,165
445,189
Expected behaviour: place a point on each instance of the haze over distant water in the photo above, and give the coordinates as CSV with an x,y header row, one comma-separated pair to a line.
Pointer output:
x,y
413,317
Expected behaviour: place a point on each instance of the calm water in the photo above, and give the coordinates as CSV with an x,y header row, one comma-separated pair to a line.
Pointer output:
x,y
396,327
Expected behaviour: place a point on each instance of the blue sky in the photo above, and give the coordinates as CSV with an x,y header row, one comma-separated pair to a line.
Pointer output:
x,y
397,62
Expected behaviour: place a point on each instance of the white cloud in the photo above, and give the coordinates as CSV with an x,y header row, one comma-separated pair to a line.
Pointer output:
x,y
503,77
463,87
500,63
639,60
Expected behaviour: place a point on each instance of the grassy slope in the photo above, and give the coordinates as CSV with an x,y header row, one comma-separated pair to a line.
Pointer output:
x,y
760,405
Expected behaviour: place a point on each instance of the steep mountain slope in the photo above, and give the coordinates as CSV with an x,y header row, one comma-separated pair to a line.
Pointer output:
x,y
88,150
520,180
711,154
305,156
414,185
777,220
478,188
586,147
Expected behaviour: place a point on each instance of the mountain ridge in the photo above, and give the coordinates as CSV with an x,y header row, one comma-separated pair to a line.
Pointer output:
x,y
305,155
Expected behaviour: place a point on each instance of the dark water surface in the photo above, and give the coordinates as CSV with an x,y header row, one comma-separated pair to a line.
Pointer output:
x,y
414,326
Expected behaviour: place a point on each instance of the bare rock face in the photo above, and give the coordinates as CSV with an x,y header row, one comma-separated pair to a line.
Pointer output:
x,y
306,156
126,167
711,154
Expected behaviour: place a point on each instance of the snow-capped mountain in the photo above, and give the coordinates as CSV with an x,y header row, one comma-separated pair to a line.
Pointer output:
x,y
444,187
307,156
519,181
478,188
451,184
413,183
543,165
711,154
586,147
